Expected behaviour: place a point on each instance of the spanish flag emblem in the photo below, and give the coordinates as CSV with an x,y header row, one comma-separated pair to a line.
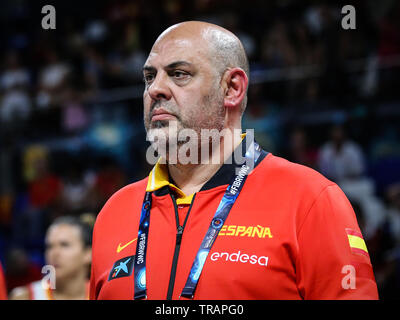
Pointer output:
x,y
356,242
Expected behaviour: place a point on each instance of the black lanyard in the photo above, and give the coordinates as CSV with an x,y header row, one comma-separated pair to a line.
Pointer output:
x,y
227,201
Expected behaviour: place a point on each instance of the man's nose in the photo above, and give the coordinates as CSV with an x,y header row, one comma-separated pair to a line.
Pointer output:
x,y
159,88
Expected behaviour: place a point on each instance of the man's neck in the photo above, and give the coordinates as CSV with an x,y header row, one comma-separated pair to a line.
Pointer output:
x,y
190,178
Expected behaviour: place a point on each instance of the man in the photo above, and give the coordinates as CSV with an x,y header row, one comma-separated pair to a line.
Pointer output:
x,y
234,222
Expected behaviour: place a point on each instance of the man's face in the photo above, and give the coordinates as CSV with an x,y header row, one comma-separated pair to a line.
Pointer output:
x,y
182,88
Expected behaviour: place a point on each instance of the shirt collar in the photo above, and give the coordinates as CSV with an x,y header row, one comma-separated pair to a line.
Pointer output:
x,y
159,176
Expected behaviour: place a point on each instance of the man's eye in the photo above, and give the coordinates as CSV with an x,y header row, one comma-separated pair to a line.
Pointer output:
x,y
180,75
148,78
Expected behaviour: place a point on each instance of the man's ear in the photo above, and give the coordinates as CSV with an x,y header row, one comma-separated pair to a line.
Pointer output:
x,y
236,82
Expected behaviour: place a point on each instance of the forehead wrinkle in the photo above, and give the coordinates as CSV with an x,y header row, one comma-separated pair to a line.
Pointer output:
x,y
166,42
171,52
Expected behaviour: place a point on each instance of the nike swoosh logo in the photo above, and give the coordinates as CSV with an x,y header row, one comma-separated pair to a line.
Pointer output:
x,y
120,248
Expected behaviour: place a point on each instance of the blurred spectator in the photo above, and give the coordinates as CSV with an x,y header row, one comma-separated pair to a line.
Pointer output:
x,y
386,144
392,223
76,189
68,251
373,208
132,58
16,103
93,67
15,106
389,268
20,270
52,80
6,202
7,181
300,151
263,117
389,47
14,75
95,31
108,180
389,43
341,159
277,50
388,278
44,187
75,118
41,199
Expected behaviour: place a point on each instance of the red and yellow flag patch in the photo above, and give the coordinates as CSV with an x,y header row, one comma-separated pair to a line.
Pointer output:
x,y
356,242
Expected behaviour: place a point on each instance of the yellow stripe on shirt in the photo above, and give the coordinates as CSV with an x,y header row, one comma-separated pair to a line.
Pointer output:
x,y
357,242
159,178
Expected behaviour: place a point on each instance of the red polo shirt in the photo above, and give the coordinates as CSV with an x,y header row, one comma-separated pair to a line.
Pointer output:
x,y
291,234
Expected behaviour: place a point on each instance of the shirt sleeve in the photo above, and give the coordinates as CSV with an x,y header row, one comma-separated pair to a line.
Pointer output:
x,y
333,261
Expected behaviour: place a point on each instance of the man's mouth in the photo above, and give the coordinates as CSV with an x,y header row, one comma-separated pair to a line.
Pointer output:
x,y
161,114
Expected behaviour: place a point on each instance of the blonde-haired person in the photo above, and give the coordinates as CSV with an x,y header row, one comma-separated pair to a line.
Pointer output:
x,y
68,253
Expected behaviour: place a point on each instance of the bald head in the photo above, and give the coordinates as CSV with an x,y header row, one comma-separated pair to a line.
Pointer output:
x,y
224,49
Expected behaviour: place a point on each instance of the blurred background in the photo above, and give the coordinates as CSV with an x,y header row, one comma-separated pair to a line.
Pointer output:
x,y
71,121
